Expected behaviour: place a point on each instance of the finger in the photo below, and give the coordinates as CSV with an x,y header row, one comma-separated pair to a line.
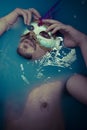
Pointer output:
x,y
22,13
29,16
35,12
50,21
51,27
55,30
60,28
36,18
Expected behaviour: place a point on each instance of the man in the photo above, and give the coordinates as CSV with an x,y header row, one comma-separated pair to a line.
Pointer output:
x,y
29,46
42,111
36,42
43,106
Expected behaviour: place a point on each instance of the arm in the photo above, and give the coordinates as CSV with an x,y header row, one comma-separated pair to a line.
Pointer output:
x,y
76,84
11,18
83,47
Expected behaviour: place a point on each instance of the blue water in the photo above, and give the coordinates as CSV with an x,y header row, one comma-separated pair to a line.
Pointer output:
x,y
13,68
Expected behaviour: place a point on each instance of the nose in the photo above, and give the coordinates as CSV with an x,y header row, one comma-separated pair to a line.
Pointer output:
x,y
25,46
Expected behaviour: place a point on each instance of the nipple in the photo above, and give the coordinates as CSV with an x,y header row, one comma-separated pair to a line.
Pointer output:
x,y
44,106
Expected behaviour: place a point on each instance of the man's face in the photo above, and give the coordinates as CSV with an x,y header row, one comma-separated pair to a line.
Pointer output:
x,y
36,42
29,47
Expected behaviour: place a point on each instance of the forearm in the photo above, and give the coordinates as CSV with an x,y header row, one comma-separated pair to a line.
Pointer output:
x,y
3,26
83,47
7,21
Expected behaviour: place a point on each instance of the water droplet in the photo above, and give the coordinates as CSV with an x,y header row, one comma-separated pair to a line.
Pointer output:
x,y
75,16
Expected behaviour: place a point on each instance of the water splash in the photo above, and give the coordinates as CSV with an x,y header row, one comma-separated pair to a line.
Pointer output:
x,y
61,58
56,59
25,79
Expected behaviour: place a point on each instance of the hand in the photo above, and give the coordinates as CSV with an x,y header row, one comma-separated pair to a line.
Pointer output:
x,y
72,37
25,13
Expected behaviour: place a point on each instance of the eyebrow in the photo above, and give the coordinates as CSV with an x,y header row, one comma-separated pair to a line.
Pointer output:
x,y
21,40
25,36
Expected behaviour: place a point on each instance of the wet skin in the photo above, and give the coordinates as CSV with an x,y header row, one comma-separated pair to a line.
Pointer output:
x,y
42,110
30,48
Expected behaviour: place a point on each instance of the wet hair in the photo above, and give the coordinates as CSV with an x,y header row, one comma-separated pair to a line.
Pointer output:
x,y
25,55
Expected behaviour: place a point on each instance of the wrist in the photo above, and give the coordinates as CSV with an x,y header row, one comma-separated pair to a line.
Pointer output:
x,y
83,41
10,18
3,26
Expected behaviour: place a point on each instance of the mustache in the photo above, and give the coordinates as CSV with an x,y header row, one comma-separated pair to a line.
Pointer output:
x,y
30,36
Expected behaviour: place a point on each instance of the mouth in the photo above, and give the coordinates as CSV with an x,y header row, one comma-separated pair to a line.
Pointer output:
x,y
32,43
30,38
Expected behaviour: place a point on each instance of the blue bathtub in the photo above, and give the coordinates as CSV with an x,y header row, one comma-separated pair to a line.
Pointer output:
x,y
18,76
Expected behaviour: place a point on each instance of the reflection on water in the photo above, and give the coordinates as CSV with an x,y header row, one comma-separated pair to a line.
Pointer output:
x,y
59,57
28,71
62,58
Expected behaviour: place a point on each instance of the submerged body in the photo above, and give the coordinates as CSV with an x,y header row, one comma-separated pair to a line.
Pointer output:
x,y
42,109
